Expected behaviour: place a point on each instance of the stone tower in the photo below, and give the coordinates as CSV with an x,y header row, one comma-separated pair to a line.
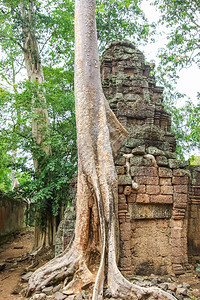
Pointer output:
x,y
153,188
159,197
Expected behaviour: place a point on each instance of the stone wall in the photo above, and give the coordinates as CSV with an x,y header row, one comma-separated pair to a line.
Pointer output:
x,y
11,214
157,214
153,186
194,216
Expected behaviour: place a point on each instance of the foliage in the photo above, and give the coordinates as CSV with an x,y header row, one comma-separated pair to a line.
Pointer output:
x,y
195,160
182,18
53,25
118,20
182,50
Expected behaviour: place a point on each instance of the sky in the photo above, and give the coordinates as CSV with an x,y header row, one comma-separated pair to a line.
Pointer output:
x,y
188,82
189,78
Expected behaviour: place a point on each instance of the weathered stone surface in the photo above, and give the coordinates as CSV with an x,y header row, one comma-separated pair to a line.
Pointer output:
x,y
127,190
124,180
143,171
153,189
142,180
139,150
164,172
158,203
167,190
180,180
122,198
180,198
173,163
131,198
41,296
48,290
154,151
120,170
120,189
60,296
165,199
57,288
181,172
165,181
121,161
181,189
150,211
136,161
162,161
142,198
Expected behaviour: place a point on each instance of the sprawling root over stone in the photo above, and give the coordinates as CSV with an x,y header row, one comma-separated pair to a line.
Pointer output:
x,y
71,268
59,268
123,289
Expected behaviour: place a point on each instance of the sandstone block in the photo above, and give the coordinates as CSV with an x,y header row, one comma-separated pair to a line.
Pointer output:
x,y
143,171
165,199
120,189
127,190
136,161
162,161
122,198
124,180
154,151
181,198
167,190
121,161
120,170
180,180
180,172
122,206
141,180
139,150
173,163
177,234
131,198
153,189
177,251
165,181
164,172
141,189
181,189
142,198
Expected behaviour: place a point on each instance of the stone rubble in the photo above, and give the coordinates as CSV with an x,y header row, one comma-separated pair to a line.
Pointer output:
x,y
166,283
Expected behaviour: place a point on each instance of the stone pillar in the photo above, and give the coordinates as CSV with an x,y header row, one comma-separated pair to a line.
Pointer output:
x,y
194,216
179,221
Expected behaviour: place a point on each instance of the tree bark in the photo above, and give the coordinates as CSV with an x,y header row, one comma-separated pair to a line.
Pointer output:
x,y
44,237
93,256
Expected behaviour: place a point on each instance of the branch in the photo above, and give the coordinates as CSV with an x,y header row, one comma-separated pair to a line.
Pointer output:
x,y
45,43
3,36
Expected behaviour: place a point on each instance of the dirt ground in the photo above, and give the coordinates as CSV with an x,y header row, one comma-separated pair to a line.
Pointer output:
x,y
14,254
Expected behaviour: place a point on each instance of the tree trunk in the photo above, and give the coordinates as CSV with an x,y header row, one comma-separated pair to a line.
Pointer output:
x,y
92,258
44,237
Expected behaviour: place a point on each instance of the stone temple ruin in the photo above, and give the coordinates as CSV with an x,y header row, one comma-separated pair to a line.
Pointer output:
x,y
159,197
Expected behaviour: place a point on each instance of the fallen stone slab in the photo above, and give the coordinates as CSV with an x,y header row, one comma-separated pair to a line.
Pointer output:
x,y
59,296
48,290
41,296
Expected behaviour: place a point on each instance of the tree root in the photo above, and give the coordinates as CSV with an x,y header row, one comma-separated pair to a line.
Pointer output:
x,y
72,269
123,289
59,268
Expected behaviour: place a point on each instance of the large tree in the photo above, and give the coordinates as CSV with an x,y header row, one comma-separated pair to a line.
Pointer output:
x,y
40,33
92,258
